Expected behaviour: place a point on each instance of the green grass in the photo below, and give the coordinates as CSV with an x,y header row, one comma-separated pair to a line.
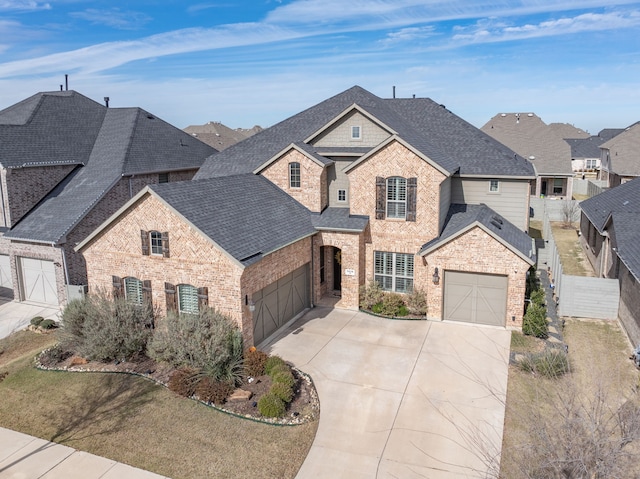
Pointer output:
x,y
135,421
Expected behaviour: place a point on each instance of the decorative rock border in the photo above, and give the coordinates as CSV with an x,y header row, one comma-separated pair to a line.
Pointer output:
x,y
291,420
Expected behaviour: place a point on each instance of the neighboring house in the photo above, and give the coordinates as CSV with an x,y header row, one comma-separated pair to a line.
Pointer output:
x,y
620,157
352,190
220,136
543,145
67,164
610,235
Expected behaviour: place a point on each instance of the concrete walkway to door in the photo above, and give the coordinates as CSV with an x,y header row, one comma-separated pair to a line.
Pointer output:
x,y
409,399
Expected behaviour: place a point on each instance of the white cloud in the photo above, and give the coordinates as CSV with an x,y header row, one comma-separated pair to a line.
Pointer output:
x,y
114,17
409,34
23,5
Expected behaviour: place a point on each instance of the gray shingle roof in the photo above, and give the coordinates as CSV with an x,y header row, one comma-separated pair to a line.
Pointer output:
x,y
624,198
49,128
529,136
460,217
624,151
585,147
608,133
339,219
627,232
446,139
246,215
128,141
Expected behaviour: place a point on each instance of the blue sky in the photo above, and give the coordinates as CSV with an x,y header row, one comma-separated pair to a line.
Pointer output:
x,y
260,61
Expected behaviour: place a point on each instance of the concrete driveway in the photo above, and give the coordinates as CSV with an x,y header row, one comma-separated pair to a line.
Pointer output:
x,y
409,399
15,316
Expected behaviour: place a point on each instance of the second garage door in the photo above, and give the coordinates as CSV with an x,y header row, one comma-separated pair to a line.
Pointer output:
x,y
475,298
6,284
38,280
279,302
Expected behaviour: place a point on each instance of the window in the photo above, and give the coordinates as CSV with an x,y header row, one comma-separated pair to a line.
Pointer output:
x,y
163,178
342,195
155,238
494,186
294,174
187,299
396,197
356,133
133,290
394,271
558,186
591,163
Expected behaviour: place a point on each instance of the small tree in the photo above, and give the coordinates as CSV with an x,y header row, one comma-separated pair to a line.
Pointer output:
x,y
570,211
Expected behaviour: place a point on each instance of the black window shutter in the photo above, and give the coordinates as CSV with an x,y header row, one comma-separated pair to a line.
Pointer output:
x,y
165,244
144,238
171,297
118,292
381,197
203,298
412,187
146,292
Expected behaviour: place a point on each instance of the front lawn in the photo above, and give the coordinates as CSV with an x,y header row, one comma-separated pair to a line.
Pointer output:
x,y
135,421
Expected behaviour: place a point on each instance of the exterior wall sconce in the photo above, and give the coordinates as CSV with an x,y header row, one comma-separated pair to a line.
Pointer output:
x,y
436,276
252,306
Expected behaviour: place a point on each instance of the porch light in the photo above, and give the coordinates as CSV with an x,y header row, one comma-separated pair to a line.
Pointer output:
x,y
436,276
252,306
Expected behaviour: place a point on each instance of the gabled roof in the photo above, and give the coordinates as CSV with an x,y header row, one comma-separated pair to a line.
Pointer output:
x,y
49,128
129,141
306,150
532,138
567,131
462,218
585,147
608,133
449,141
624,151
246,216
624,198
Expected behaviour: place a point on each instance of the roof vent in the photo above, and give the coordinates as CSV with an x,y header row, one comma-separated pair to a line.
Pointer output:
x,y
625,203
532,157
503,115
529,115
496,224
151,117
497,219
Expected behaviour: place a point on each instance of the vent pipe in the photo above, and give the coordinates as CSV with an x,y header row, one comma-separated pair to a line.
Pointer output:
x,y
66,82
61,88
394,91
106,101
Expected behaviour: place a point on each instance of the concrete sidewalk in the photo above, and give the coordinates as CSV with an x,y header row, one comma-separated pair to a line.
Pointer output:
x,y
409,399
27,457
15,315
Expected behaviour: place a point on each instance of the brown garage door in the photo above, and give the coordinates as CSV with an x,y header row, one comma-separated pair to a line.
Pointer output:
x,y
475,298
279,302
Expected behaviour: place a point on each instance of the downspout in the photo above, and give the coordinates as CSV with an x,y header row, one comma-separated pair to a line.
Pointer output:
x,y
64,263
4,210
313,272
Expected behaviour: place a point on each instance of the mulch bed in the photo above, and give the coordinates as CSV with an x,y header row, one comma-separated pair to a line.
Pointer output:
x,y
303,408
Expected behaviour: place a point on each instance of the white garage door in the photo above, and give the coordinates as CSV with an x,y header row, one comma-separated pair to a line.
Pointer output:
x,y
475,298
279,302
38,280
6,285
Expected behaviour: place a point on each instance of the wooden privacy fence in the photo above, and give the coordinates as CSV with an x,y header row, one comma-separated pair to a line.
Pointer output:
x,y
578,296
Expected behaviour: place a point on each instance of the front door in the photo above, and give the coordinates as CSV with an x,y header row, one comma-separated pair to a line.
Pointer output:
x,y
337,269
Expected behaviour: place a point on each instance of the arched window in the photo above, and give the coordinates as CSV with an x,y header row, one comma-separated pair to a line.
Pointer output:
x,y
294,174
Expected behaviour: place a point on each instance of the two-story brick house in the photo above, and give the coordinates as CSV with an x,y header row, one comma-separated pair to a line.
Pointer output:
x,y
67,163
354,189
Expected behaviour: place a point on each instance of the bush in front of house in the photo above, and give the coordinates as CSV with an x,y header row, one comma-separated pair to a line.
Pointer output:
x,y
213,391
370,295
183,381
284,377
273,362
535,321
254,362
374,299
208,341
392,304
48,324
550,363
283,391
417,302
102,329
36,321
271,405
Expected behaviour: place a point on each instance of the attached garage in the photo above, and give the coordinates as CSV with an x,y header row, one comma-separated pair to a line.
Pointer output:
x,y
6,284
280,302
38,279
475,298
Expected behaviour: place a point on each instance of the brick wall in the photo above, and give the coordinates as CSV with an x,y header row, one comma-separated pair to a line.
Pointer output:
x,y
313,180
25,187
475,252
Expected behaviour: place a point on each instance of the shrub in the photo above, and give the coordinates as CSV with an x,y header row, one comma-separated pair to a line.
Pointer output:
x,y
271,405
54,355
284,378
272,362
550,363
282,391
103,329
208,341
183,382
212,390
392,305
535,321
36,321
370,295
48,324
254,361
538,297
417,302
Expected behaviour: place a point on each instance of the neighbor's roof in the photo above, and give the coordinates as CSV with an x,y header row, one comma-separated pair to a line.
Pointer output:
x,y
462,218
624,198
624,151
220,136
532,138
246,215
450,142
585,147
567,131
129,141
